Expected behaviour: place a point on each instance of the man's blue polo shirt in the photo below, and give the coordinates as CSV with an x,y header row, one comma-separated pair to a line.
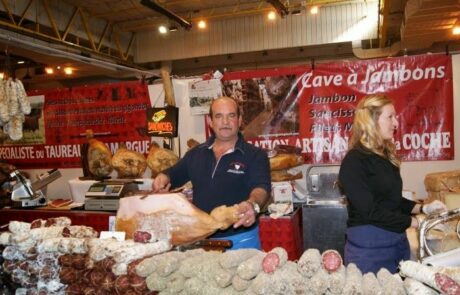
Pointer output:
x,y
225,182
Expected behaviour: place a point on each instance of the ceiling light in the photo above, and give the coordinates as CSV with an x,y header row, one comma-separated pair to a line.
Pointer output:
x,y
68,71
314,9
271,15
20,62
162,30
280,7
172,28
202,24
49,70
168,13
456,30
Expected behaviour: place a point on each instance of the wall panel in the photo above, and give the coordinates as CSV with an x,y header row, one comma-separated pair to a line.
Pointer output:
x,y
254,33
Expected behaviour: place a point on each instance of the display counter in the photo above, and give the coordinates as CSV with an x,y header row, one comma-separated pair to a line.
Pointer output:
x,y
96,219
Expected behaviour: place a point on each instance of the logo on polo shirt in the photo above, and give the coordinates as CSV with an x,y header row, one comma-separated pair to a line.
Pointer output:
x,y
236,168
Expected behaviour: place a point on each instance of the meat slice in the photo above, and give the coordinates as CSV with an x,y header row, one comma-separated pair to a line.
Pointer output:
x,y
171,216
446,284
331,260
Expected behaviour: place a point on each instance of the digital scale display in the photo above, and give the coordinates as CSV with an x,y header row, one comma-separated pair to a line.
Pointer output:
x,y
98,188
109,189
106,195
116,189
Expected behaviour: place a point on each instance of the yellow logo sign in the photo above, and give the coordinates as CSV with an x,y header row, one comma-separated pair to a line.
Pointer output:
x,y
158,116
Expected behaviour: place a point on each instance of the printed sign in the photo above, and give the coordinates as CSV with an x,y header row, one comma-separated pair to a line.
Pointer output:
x,y
313,109
162,122
56,129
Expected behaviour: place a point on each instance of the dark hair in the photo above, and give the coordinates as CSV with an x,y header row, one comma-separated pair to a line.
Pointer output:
x,y
238,113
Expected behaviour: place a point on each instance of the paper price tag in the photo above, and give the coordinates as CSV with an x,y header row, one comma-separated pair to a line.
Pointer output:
x,y
118,235
112,220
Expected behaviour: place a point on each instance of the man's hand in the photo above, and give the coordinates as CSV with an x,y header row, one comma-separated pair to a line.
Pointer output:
x,y
161,183
246,214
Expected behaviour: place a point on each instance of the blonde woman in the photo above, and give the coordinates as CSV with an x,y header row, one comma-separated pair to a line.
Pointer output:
x,y
378,215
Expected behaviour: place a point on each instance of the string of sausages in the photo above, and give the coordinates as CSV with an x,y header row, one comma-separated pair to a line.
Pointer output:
x,y
14,104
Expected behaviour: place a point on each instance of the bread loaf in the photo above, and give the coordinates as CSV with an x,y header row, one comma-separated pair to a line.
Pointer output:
x,y
284,175
285,161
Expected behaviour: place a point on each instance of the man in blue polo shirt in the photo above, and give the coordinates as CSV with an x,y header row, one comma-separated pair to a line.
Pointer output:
x,y
225,170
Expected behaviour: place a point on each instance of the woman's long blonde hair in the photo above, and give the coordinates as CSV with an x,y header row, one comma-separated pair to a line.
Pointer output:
x,y
365,131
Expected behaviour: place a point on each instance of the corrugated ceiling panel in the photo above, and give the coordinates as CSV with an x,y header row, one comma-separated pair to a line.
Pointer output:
x,y
346,22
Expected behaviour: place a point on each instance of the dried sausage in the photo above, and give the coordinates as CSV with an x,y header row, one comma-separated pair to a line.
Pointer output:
x,y
331,260
446,284
270,262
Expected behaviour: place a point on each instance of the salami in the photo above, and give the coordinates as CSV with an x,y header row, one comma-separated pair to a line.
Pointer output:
x,y
446,284
309,263
276,258
231,259
270,262
4,104
331,260
240,284
223,277
429,276
390,284
5,238
18,227
37,223
414,287
21,95
144,237
371,284
58,221
250,268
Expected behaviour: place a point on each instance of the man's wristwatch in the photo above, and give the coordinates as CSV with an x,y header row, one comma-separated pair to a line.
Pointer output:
x,y
255,206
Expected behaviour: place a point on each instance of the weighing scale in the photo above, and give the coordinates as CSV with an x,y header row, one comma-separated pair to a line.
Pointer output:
x,y
105,195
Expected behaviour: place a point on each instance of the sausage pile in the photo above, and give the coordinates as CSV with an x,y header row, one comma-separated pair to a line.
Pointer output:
x,y
14,104
53,257
422,279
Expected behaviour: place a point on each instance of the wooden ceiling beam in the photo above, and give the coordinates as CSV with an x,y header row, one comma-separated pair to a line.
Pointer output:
x,y
281,9
169,14
383,30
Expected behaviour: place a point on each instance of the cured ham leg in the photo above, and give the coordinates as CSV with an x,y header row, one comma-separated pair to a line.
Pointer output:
x,y
171,216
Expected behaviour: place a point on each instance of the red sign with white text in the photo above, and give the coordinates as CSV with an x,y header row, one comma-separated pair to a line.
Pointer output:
x,y
53,135
313,108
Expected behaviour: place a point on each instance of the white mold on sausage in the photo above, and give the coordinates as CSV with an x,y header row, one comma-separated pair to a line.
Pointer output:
x,y
309,263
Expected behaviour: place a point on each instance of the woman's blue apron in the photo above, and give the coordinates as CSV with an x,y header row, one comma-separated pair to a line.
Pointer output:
x,y
372,248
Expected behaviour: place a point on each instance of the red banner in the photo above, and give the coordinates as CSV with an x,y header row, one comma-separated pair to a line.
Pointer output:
x,y
55,129
313,108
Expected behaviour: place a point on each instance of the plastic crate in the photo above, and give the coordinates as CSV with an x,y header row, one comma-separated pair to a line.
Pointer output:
x,y
283,232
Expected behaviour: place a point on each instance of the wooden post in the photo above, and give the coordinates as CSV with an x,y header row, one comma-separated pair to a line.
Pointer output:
x,y
174,143
167,85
